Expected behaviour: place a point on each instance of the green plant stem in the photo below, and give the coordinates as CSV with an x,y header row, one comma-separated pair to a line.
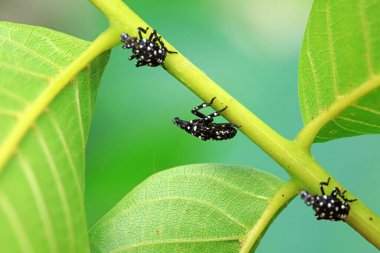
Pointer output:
x,y
294,158
28,117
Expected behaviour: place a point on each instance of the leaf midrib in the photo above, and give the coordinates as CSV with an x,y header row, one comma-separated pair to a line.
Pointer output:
x,y
187,199
176,241
27,120
311,129
35,109
284,195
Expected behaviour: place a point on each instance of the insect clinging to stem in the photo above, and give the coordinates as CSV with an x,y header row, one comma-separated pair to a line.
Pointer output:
x,y
328,207
151,52
204,128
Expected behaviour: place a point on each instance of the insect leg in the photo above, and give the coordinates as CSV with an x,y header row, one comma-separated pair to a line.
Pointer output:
x,y
153,34
196,109
140,29
140,63
321,184
159,39
229,125
341,194
335,192
170,52
210,118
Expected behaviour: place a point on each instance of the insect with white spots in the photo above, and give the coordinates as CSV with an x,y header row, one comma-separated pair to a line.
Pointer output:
x,y
328,207
151,51
204,128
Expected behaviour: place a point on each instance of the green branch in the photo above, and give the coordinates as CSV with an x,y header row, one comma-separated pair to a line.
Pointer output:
x,y
294,158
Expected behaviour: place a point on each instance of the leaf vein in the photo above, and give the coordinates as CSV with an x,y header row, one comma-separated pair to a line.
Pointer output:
x,y
60,188
8,112
179,241
40,202
16,224
51,44
69,155
366,109
30,51
13,95
77,100
224,183
359,122
26,72
331,47
366,38
151,201
346,128
314,72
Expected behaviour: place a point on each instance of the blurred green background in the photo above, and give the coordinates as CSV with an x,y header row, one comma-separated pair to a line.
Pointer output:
x,y
250,48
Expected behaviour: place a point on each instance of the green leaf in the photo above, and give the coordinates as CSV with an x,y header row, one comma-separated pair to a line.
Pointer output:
x,y
42,140
193,208
339,72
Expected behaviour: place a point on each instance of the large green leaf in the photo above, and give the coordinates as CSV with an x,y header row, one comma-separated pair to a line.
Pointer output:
x,y
193,208
42,148
340,66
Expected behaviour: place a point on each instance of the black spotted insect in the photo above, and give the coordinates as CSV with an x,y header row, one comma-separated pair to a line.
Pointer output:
x,y
328,207
204,128
151,51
